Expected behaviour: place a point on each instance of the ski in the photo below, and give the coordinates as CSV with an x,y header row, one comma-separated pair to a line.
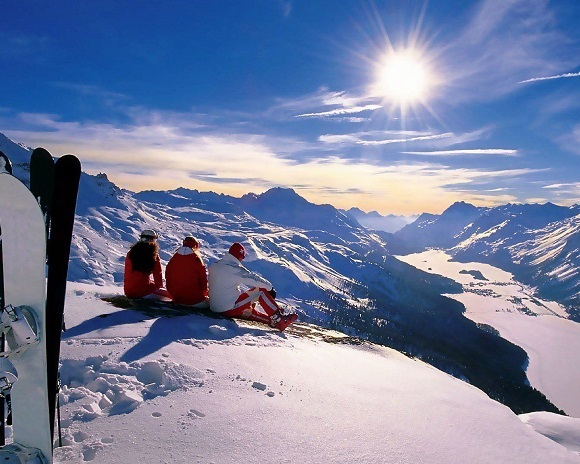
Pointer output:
x,y
42,181
67,172
23,372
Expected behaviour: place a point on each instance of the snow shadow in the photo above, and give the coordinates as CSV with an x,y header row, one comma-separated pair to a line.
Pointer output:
x,y
166,330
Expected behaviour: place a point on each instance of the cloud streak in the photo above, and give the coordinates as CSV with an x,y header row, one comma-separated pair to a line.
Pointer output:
x,y
559,76
480,151
356,137
405,140
340,111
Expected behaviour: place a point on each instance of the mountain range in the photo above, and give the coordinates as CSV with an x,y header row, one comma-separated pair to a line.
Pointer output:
x,y
338,273
539,244
373,220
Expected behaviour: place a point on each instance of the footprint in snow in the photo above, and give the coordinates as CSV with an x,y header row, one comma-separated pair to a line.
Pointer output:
x,y
80,436
90,451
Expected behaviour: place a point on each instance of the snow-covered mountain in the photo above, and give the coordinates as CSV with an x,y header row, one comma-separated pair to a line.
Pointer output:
x,y
432,230
339,274
539,244
373,220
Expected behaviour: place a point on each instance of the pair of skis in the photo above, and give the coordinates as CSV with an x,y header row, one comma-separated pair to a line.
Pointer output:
x,y
57,200
26,230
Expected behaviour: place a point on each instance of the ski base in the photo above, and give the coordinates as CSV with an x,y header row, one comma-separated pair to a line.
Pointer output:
x,y
23,321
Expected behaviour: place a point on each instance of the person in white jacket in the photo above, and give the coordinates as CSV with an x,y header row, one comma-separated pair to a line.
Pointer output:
x,y
226,297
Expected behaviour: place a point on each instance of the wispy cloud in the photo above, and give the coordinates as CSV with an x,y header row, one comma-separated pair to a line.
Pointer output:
x,y
511,173
286,8
340,111
559,76
503,43
481,151
388,137
100,95
23,47
570,140
325,103
405,140
570,185
356,137
566,193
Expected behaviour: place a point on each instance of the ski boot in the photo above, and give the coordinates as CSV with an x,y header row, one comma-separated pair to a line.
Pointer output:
x,y
280,322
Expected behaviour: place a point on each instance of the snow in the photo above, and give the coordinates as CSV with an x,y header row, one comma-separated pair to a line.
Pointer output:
x,y
539,327
549,243
481,235
203,390
563,430
197,389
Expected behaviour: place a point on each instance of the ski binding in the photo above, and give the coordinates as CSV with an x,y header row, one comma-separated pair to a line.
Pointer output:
x,y
21,328
8,376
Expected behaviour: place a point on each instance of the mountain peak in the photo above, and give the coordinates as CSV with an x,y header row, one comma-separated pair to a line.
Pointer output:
x,y
281,194
460,207
356,212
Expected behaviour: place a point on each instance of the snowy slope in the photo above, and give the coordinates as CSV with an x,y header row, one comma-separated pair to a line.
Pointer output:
x,y
551,257
196,389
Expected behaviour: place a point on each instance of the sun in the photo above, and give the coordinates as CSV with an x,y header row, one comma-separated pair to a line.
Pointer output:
x,y
403,77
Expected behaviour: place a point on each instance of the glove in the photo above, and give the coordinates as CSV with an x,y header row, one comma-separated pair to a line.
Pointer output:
x,y
272,292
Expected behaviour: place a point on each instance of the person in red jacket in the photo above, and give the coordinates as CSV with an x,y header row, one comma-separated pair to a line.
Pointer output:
x,y
143,273
186,275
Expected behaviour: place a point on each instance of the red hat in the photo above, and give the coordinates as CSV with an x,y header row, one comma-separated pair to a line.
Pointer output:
x,y
237,250
190,242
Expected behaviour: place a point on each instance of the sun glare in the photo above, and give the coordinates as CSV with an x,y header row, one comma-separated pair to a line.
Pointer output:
x,y
402,77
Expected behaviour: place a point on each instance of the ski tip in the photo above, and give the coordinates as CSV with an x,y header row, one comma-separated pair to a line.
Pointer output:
x,y
39,151
71,161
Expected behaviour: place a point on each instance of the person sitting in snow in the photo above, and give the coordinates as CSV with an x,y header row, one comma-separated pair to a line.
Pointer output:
x,y
143,273
186,275
226,298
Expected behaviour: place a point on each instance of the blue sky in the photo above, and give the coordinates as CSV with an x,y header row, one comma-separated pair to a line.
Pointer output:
x,y
397,106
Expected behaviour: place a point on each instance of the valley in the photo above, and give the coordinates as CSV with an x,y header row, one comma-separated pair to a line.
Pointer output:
x,y
540,327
